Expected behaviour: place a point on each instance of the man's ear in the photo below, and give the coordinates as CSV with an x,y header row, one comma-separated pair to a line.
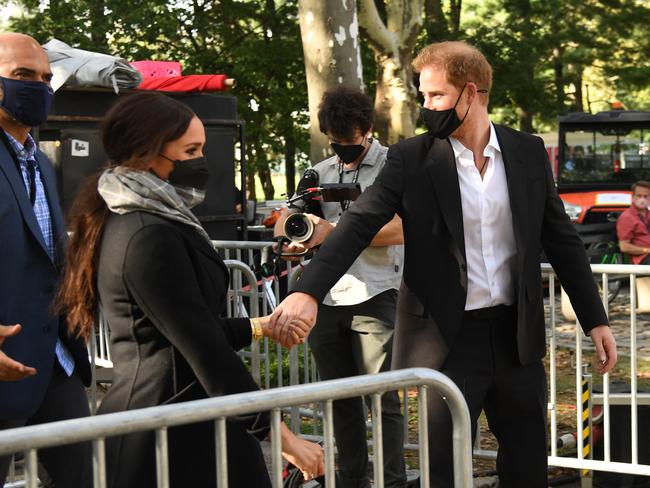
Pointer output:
x,y
472,91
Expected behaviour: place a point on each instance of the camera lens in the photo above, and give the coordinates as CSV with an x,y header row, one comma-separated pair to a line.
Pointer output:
x,y
298,227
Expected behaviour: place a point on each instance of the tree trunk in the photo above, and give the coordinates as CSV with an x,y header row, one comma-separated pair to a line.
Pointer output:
x,y
520,14
250,186
435,24
396,97
455,8
578,94
99,25
267,183
396,108
525,120
558,67
330,41
290,163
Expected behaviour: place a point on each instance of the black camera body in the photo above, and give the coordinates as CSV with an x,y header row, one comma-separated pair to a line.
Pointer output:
x,y
298,227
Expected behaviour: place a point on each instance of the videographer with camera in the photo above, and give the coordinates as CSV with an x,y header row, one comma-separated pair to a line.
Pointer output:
x,y
353,334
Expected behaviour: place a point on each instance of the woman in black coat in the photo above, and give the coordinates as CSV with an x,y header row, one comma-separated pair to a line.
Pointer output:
x,y
139,252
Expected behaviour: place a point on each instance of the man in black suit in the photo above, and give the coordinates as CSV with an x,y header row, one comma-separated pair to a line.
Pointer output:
x,y
42,368
478,204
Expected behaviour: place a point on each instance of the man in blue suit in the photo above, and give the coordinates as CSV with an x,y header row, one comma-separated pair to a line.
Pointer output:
x,y
42,369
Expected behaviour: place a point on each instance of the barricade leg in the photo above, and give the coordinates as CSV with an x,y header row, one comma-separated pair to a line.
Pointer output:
x,y
162,458
222,453
377,440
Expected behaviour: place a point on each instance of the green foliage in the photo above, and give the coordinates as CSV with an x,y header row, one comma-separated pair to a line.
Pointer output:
x,y
546,52
256,42
550,57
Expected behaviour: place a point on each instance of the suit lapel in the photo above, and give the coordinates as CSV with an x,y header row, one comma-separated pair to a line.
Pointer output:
x,y
444,176
8,166
517,186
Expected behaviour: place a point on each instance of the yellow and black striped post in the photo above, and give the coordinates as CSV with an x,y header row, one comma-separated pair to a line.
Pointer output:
x,y
586,474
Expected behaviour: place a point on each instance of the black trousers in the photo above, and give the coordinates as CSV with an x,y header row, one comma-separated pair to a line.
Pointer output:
x,y
69,466
349,341
484,364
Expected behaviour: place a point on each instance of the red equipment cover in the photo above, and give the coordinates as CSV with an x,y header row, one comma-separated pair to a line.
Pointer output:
x,y
188,83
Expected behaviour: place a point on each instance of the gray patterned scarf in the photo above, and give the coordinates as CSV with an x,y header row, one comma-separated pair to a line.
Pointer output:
x,y
127,190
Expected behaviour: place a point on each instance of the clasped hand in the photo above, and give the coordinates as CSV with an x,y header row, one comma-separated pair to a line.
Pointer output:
x,y
291,318
295,332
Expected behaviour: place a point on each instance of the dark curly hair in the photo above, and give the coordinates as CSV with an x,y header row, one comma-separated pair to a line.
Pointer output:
x,y
343,110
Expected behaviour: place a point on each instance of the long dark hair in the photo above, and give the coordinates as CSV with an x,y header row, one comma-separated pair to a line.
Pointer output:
x,y
134,131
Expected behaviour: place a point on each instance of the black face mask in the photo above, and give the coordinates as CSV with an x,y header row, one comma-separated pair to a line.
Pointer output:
x,y
27,102
442,123
348,153
189,172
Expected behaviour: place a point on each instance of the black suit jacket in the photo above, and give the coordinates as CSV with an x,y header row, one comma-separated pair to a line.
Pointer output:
x,y
163,289
28,282
420,183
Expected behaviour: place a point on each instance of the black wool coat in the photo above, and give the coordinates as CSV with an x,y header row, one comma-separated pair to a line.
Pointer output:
x,y
162,288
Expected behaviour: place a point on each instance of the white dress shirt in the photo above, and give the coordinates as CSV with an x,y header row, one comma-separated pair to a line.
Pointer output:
x,y
490,246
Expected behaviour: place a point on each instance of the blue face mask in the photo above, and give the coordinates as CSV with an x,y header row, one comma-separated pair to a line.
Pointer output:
x,y
28,102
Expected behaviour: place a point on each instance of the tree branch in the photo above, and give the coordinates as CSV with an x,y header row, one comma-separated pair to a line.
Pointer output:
x,y
405,19
378,35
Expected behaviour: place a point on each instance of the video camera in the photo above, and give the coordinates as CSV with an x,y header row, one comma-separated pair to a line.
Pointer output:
x,y
298,227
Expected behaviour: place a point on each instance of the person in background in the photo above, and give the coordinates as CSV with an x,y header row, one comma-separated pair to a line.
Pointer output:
x,y
138,250
633,225
43,368
353,334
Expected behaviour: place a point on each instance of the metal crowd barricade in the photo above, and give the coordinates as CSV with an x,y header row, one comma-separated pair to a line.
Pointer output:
x,y
96,429
247,295
634,399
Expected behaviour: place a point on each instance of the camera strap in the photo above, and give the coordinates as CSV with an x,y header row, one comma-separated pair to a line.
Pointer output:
x,y
355,177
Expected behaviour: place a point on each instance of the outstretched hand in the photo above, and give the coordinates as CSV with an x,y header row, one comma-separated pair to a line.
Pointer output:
x,y
298,310
307,456
605,343
11,370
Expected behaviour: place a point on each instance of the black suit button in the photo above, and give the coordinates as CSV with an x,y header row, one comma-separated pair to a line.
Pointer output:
x,y
463,267
47,328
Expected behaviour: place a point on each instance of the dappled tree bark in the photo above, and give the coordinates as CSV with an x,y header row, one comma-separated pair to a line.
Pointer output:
x,y
393,43
330,40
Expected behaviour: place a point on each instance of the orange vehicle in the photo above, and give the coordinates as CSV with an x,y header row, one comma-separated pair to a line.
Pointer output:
x,y
598,158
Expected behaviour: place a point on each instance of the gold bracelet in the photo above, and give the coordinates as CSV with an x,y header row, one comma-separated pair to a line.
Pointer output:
x,y
256,329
